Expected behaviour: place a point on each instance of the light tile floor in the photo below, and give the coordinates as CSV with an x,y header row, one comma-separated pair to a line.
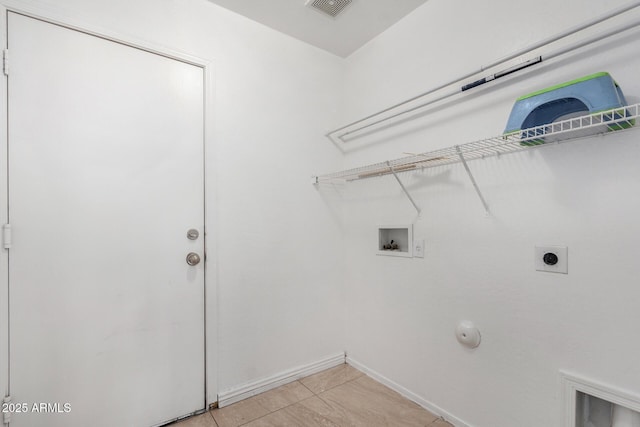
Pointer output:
x,y
338,397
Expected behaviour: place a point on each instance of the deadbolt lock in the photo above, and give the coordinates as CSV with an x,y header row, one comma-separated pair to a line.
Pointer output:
x,y
193,234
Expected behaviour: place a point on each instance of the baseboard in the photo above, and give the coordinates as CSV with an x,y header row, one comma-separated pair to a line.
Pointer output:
x,y
408,394
256,387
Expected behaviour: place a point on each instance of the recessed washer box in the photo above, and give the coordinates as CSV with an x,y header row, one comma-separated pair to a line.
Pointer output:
x,y
395,240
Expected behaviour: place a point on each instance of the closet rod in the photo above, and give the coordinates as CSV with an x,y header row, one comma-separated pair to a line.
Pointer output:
x,y
545,42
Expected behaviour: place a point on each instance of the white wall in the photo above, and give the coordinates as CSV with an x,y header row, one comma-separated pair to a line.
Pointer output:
x,y
278,265
402,312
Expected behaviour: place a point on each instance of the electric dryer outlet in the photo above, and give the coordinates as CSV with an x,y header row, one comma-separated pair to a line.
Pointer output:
x,y
553,259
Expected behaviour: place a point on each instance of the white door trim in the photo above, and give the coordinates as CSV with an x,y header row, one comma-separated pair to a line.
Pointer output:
x,y
73,21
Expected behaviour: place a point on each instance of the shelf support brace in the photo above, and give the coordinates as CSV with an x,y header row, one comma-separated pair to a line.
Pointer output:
x,y
473,181
403,187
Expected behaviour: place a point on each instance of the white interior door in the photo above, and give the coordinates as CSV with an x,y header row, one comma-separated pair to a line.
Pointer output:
x,y
105,179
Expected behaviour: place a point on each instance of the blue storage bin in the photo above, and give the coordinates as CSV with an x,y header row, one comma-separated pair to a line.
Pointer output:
x,y
590,94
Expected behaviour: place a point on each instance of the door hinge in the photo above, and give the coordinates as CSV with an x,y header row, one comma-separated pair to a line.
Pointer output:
x,y
5,62
6,418
6,236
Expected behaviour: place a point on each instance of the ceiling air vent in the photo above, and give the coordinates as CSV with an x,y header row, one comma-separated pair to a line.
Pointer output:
x,y
329,7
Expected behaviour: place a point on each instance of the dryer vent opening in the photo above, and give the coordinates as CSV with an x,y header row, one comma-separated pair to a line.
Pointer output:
x,y
592,411
331,8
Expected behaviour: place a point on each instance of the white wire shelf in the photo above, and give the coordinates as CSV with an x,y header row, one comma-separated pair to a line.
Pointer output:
x,y
610,121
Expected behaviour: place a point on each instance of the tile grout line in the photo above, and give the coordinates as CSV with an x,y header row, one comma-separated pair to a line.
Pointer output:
x,y
211,415
324,401
303,385
337,385
439,419
346,382
285,407
294,403
318,395
269,411
279,409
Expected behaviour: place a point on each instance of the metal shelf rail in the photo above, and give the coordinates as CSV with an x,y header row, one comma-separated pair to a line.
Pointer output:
x,y
604,122
392,115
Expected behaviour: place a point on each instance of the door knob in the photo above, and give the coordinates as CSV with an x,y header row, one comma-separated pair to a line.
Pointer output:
x,y
193,258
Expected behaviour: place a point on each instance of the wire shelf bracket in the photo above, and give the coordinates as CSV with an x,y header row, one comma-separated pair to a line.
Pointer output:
x,y
473,180
395,175
604,123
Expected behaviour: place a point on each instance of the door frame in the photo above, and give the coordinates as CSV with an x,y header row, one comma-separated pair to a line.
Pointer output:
x,y
69,20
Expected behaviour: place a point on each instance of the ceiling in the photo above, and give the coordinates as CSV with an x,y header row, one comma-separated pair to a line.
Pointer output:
x,y
358,23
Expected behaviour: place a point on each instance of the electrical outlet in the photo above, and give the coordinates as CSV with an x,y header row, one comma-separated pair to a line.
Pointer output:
x,y
553,259
418,248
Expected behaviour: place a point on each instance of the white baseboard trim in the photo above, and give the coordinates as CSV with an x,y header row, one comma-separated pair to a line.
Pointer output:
x,y
408,394
247,390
